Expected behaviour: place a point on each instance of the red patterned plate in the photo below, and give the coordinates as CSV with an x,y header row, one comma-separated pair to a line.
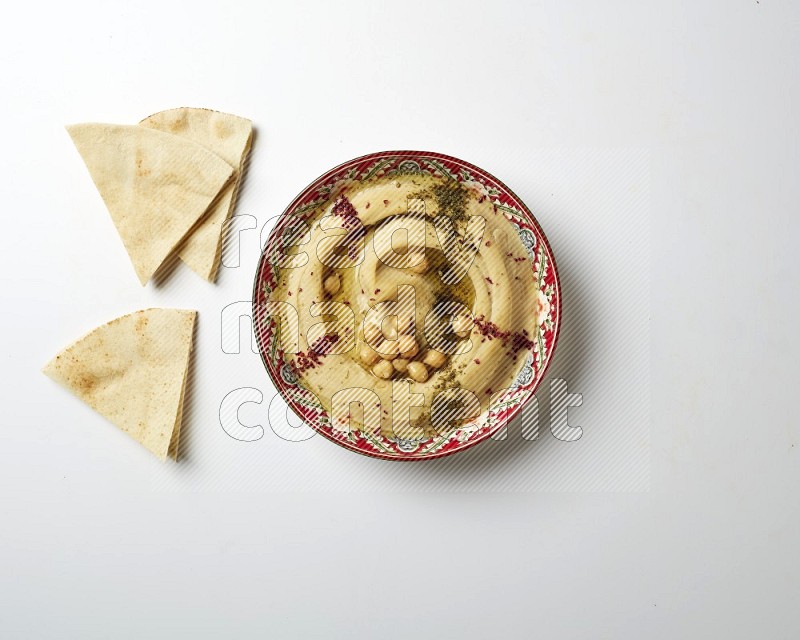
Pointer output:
x,y
281,364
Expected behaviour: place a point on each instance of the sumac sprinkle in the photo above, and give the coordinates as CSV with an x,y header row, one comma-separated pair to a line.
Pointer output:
x,y
310,360
517,341
344,208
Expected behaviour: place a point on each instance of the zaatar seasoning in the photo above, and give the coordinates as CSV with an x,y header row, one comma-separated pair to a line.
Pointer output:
x,y
451,200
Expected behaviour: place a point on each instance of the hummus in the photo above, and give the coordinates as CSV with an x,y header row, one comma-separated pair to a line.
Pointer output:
x,y
406,304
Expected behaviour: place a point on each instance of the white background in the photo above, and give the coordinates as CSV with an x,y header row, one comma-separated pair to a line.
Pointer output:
x,y
271,539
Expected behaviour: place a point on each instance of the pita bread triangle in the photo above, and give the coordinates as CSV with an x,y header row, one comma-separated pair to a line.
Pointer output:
x,y
155,186
132,370
174,443
229,137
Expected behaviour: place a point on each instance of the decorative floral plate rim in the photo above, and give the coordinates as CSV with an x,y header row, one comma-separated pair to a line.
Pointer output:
x,y
386,163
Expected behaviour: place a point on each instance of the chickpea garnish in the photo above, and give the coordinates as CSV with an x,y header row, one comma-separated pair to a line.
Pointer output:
x,y
391,331
372,332
388,350
368,355
383,369
408,347
418,371
434,358
404,323
462,325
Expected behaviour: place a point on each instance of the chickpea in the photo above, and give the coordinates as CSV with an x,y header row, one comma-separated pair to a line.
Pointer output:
x,y
418,371
400,364
368,355
405,323
383,369
408,347
372,333
420,267
332,284
462,325
389,350
434,358
391,328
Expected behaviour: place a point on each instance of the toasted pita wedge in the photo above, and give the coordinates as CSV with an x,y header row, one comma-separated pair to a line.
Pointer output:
x,y
174,443
132,370
229,137
155,186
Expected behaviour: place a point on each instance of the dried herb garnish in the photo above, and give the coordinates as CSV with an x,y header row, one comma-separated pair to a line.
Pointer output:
x,y
451,200
448,376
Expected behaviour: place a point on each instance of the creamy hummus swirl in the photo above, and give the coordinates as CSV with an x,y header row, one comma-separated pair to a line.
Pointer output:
x,y
416,304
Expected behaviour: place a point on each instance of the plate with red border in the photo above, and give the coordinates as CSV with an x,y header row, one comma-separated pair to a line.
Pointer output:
x,y
539,344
